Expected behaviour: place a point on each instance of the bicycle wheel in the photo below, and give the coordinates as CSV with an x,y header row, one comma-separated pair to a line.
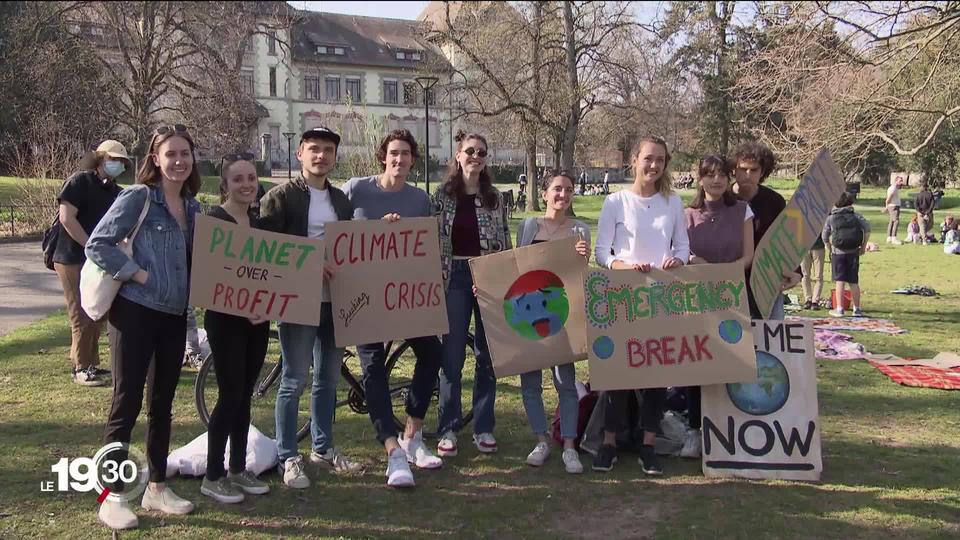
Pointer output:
x,y
400,364
263,398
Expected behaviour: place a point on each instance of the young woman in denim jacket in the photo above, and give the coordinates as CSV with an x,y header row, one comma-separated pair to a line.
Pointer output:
x,y
557,193
148,317
473,222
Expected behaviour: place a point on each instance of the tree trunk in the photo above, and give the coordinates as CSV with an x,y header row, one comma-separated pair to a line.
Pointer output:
x,y
569,136
721,20
530,142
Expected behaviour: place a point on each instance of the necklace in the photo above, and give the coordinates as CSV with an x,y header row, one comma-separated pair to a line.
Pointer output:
x,y
550,232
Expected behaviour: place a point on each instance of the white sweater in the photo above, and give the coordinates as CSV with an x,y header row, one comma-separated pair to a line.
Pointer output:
x,y
641,230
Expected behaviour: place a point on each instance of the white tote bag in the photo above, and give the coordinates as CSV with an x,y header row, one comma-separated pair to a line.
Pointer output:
x,y
97,287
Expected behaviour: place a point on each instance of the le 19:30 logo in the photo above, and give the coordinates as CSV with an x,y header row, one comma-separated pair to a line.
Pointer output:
x,y
116,464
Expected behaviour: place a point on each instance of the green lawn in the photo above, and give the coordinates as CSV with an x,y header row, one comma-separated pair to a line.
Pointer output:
x,y
891,453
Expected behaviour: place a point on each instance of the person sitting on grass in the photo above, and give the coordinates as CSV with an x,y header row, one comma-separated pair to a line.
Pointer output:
x,y
951,239
948,223
846,234
913,231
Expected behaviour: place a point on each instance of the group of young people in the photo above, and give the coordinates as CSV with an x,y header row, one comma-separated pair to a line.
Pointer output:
x,y
640,227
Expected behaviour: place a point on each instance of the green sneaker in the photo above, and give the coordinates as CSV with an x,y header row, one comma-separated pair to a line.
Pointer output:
x,y
221,490
249,483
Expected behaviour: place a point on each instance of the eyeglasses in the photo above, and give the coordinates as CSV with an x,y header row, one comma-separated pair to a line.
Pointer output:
x,y
230,158
470,151
176,128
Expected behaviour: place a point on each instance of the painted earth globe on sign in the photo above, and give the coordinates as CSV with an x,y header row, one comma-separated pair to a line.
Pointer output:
x,y
536,305
768,394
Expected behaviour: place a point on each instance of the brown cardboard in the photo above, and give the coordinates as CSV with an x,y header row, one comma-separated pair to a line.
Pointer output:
x,y
251,272
791,235
539,279
387,283
682,327
770,428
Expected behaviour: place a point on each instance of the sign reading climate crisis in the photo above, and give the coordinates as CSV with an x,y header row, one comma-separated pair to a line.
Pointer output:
x,y
796,229
387,282
684,327
254,273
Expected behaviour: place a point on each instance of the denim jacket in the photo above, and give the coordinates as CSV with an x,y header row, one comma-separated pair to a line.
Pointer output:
x,y
160,248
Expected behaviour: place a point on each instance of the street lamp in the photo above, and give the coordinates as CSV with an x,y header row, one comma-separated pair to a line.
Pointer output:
x,y
426,83
289,135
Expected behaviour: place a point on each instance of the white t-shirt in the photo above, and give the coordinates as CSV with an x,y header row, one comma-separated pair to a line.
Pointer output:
x,y
321,211
641,230
893,193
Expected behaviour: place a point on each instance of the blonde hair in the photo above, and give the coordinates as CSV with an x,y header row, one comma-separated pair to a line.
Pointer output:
x,y
663,183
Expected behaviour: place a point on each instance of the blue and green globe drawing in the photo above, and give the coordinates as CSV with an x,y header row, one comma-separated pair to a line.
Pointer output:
x,y
768,394
603,347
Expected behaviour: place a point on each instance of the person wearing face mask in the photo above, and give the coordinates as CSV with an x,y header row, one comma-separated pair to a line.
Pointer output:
x,y
389,197
84,199
239,345
148,321
640,228
303,207
473,222
720,229
557,192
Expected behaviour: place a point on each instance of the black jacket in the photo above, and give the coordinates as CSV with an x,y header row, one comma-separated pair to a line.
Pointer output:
x,y
285,208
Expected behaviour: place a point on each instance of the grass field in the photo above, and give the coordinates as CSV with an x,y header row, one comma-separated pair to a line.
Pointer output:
x,y
891,453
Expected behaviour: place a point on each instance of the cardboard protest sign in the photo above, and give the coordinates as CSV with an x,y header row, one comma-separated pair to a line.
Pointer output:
x,y
531,301
682,327
796,228
250,272
387,282
767,428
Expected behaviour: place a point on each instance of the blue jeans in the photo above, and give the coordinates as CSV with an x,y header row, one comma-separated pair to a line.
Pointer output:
x,y
303,345
565,381
461,304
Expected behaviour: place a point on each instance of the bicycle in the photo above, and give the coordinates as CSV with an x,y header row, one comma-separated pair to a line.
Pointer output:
x,y
399,368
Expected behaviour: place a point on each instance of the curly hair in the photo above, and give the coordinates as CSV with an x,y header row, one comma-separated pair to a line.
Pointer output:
x,y
754,151
396,135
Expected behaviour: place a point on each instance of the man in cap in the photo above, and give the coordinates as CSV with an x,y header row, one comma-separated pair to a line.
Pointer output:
x,y
302,207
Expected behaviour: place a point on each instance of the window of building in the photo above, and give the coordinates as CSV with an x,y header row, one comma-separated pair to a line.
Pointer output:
x,y
338,51
311,88
333,88
246,81
321,49
272,43
273,82
415,56
409,93
401,55
353,90
431,97
390,92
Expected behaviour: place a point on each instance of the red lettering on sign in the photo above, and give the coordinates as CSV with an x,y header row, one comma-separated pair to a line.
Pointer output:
x,y
418,244
701,344
665,352
635,349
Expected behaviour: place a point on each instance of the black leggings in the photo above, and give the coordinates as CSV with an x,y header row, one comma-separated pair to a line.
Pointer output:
x,y
146,347
617,414
239,348
372,361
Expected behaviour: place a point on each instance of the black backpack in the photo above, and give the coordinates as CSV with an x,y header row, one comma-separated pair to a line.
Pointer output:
x,y
49,242
847,233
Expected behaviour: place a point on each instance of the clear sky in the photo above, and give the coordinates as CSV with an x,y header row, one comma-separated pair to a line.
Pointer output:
x,y
393,10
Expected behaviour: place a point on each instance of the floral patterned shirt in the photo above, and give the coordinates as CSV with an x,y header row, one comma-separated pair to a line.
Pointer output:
x,y
494,227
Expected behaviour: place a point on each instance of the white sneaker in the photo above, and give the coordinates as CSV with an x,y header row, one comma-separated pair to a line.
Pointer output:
x,y
485,443
447,446
539,454
896,242
398,470
836,312
335,461
417,452
889,239
571,461
117,515
692,444
294,475
166,501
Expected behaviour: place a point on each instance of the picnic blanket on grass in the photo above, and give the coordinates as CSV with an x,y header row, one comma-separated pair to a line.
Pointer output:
x,y
882,326
832,345
941,372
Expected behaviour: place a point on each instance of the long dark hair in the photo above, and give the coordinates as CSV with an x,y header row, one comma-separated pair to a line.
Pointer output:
x,y
150,174
548,179
708,165
454,183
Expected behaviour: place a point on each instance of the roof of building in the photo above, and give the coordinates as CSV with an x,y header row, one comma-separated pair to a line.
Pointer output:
x,y
369,41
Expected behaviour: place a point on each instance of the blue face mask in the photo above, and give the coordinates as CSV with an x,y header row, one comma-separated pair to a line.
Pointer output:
x,y
114,168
